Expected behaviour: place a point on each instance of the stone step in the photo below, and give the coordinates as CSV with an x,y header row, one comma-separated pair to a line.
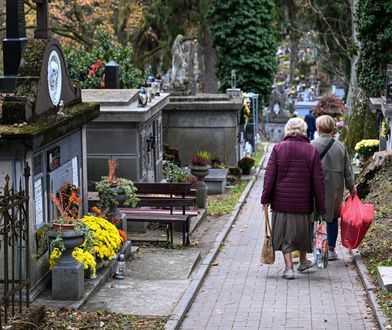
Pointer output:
x,y
91,286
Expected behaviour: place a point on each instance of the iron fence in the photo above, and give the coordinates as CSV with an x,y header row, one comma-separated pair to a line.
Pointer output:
x,y
14,247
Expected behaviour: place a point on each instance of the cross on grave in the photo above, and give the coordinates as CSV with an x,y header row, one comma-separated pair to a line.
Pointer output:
x,y
42,30
13,43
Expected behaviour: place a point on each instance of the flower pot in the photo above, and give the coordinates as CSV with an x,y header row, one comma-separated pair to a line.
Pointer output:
x,y
200,171
70,239
63,226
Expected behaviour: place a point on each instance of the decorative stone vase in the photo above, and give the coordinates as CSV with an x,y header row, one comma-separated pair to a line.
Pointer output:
x,y
200,172
68,274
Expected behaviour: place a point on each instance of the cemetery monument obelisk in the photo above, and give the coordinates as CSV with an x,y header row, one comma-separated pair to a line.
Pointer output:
x,y
13,44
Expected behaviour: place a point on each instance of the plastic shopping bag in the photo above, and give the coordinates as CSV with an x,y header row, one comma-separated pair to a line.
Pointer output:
x,y
320,244
356,219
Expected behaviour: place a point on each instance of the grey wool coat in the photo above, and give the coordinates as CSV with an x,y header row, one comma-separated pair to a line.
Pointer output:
x,y
337,174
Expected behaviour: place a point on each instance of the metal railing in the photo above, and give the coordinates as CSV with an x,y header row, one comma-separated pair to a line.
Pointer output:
x,y
14,247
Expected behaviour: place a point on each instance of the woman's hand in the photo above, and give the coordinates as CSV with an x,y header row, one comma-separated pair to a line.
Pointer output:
x,y
353,191
265,206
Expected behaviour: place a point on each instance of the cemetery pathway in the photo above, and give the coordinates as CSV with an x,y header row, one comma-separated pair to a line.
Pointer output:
x,y
240,293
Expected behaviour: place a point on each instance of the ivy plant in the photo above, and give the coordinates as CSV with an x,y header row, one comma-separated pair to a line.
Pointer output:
x,y
244,35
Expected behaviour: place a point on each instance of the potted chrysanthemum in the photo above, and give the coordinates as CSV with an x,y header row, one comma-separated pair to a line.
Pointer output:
x,y
245,164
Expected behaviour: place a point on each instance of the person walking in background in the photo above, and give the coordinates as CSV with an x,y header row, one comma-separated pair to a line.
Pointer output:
x,y
310,120
337,174
293,184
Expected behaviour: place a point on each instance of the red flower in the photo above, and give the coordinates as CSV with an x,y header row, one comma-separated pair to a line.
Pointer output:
x,y
91,73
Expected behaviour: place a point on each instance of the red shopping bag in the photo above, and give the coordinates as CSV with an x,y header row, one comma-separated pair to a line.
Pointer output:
x,y
356,219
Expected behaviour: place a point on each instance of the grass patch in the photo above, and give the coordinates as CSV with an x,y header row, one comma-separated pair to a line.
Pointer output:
x,y
259,153
224,204
101,319
376,248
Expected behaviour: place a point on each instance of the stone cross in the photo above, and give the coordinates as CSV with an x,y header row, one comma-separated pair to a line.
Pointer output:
x,y
13,43
42,30
16,26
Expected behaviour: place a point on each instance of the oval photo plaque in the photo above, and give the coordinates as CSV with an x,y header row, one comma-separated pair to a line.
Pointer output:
x,y
54,77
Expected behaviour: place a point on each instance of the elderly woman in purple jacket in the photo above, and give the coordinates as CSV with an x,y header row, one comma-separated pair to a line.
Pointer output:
x,y
294,186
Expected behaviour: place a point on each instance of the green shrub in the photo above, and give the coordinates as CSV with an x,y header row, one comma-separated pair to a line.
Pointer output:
x,y
172,173
87,66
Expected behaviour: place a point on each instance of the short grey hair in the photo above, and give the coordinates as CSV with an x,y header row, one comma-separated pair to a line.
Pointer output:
x,y
295,126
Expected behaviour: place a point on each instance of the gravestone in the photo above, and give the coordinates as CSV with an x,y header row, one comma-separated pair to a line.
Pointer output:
x,y
13,44
42,124
216,181
276,118
112,75
384,274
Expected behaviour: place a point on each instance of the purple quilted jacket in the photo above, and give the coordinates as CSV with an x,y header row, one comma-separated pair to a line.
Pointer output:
x,y
294,179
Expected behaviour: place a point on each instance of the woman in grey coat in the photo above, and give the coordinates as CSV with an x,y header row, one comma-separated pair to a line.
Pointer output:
x,y
337,174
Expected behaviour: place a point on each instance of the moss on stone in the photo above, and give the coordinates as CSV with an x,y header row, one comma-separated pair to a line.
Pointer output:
x,y
13,112
32,57
75,116
28,86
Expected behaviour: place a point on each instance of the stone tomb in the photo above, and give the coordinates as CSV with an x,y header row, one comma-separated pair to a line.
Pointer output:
x,y
43,124
206,121
126,132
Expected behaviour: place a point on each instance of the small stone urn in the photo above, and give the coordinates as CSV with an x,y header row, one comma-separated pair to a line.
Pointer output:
x,y
68,274
200,172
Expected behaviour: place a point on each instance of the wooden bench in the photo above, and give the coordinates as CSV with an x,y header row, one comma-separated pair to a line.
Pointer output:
x,y
164,203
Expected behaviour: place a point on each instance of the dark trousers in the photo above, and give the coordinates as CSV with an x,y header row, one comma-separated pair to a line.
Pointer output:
x,y
310,134
332,233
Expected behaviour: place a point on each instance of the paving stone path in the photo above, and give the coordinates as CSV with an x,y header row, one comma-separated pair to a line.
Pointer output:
x,y
239,293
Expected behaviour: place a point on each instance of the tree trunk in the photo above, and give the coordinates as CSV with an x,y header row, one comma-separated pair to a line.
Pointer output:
x,y
353,86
